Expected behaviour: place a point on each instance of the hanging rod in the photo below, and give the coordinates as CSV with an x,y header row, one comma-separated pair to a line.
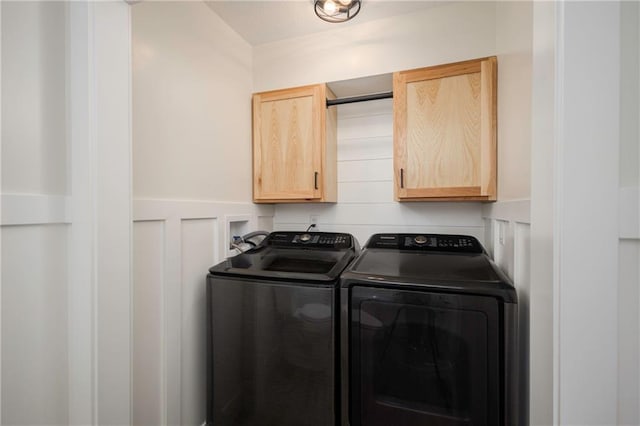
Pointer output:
x,y
363,98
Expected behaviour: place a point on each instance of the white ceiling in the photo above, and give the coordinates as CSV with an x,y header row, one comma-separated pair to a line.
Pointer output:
x,y
264,21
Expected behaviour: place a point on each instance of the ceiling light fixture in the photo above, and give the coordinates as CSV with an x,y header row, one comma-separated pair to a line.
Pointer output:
x,y
336,10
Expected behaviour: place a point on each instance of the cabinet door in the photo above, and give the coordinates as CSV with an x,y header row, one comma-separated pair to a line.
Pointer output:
x,y
445,132
288,132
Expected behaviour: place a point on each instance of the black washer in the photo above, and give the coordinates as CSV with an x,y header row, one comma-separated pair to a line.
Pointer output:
x,y
271,332
428,334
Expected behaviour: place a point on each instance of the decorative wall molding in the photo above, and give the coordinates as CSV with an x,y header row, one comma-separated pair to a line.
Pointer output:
x,y
513,211
35,209
508,241
505,223
194,236
163,209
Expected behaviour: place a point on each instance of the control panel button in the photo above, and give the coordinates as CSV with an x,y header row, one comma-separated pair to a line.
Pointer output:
x,y
305,237
420,239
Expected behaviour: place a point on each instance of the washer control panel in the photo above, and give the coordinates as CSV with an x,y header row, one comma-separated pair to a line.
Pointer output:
x,y
310,239
426,242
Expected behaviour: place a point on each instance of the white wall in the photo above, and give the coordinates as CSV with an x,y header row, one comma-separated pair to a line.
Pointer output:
x,y
192,104
448,33
65,213
192,85
514,32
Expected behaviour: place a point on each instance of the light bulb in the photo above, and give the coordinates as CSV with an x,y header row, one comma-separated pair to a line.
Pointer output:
x,y
329,7
345,2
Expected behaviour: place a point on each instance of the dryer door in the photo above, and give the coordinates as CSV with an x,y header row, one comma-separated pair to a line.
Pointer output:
x,y
421,358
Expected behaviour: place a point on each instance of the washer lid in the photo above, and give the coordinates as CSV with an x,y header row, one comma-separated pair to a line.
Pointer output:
x,y
293,256
426,266
432,262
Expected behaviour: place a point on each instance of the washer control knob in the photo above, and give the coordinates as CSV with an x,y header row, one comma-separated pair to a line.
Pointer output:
x,y
305,237
420,239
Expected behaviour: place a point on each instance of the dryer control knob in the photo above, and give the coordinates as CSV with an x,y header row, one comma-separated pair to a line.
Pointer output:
x,y
420,239
305,237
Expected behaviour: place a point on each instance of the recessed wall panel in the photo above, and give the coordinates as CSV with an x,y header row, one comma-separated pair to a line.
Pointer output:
x,y
34,104
198,255
34,325
148,322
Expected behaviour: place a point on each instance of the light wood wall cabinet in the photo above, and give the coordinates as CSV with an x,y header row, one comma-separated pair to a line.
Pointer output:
x,y
294,146
445,132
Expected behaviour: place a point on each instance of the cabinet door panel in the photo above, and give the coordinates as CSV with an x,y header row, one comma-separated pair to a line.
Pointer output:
x,y
443,123
445,132
289,145
287,156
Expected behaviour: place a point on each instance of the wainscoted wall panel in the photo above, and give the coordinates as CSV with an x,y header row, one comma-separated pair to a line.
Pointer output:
x,y
34,231
508,240
365,186
629,305
199,238
628,332
148,329
175,242
34,325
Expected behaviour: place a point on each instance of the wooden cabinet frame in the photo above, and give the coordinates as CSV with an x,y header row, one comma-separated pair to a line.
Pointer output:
x,y
481,117
294,146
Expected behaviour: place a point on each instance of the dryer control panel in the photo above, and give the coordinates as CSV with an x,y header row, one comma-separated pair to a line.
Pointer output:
x,y
426,242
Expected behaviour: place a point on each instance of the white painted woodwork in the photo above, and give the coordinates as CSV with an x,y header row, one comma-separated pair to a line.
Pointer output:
x,y
21,209
175,244
65,213
192,86
543,373
365,170
198,254
34,277
629,218
81,265
628,317
148,380
34,325
587,272
508,241
112,62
